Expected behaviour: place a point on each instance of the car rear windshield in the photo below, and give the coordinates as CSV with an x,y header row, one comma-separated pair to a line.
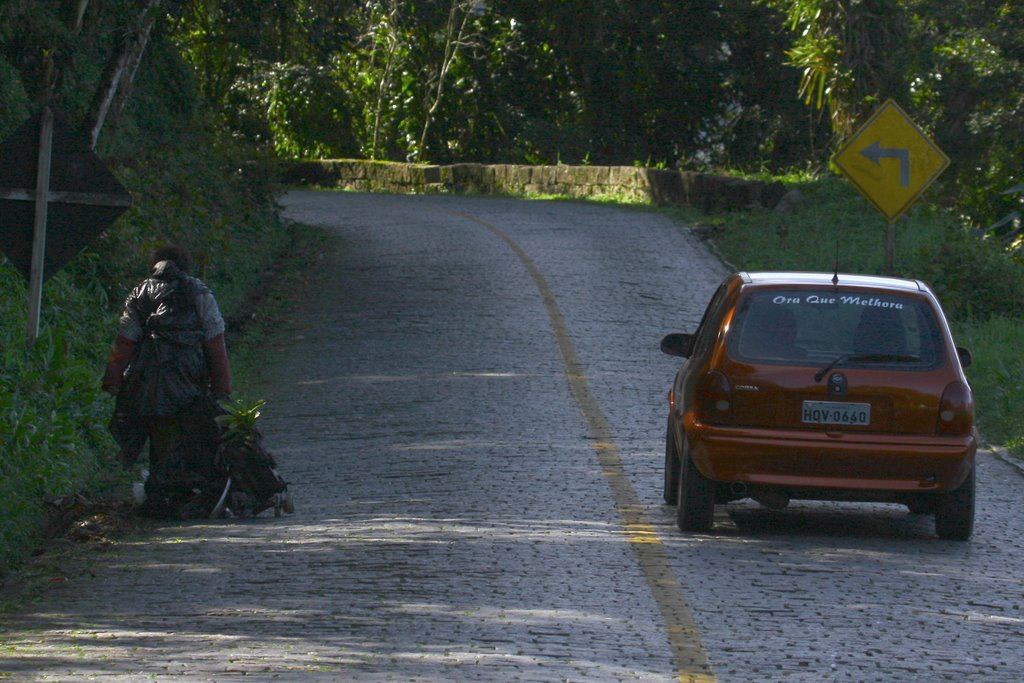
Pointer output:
x,y
807,327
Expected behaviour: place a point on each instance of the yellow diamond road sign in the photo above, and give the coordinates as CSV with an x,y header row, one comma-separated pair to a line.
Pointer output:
x,y
890,160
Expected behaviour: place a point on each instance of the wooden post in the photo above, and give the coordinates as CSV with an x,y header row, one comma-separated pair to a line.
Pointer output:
x,y
42,196
890,246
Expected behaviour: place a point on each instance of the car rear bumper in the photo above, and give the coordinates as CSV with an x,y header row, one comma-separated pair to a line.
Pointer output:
x,y
831,460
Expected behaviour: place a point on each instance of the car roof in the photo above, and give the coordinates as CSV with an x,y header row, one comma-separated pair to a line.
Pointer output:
x,y
783,278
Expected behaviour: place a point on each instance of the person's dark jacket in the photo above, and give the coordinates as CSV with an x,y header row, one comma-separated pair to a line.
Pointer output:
x,y
179,354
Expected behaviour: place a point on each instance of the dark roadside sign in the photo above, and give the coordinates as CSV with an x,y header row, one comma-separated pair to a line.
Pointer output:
x,y
83,197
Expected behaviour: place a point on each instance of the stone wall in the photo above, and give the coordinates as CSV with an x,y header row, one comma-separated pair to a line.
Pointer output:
x,y
657,186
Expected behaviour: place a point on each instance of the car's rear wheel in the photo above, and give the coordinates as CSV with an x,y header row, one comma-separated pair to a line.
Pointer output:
x,y
671,493
954,513
695,507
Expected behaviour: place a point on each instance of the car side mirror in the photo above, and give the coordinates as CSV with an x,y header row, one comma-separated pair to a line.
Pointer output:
x,y
677,344
965,356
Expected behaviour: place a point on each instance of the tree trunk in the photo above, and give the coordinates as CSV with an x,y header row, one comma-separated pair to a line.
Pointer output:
x,y
79,15
455,35
115,86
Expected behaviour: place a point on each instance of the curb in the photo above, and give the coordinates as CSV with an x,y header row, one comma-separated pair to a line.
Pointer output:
x,y
1004,455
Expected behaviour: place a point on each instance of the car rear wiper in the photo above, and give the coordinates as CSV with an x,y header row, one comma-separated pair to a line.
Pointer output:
x,y
866,358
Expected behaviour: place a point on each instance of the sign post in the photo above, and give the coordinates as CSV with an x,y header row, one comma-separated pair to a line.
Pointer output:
x,y
35,282
891,162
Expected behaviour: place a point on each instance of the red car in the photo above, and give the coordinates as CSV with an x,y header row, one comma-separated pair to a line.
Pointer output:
x,y
823,387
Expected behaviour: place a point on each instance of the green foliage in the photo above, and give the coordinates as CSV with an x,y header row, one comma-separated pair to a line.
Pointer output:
x,y
693,83
262,68
997,375
307,112
14,97
852,55
239,420
832,216
966,85
1008,229
52,416
976,279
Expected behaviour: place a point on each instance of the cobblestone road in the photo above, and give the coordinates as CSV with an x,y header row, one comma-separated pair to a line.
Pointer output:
x,y
471,418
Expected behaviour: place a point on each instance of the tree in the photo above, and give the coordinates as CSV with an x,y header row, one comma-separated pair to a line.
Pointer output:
x,y
851,54
454,38
967,84
115,86
386,47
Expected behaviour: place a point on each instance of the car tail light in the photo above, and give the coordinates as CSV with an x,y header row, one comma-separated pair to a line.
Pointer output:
x,y
714,399
956,410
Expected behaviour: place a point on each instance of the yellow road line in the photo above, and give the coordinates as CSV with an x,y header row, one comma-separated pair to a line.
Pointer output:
x,y
691,660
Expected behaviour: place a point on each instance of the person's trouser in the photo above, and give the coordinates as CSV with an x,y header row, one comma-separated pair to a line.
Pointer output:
x,y
182,452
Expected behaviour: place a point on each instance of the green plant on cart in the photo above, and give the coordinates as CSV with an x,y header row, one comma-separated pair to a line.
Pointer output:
x,y
239,420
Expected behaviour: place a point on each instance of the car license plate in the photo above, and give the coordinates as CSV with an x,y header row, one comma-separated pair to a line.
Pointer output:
x,y
836,413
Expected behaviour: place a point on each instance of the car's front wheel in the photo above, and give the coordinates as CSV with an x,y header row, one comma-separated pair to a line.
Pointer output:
x,y
954,512
671,492
695,507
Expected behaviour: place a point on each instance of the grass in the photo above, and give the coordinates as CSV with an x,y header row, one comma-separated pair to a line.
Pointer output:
x,y
833,222
997,378
977,282
254,344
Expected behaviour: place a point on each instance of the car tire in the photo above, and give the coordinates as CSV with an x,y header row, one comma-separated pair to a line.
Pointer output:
x,y
695,507
954,513
671,493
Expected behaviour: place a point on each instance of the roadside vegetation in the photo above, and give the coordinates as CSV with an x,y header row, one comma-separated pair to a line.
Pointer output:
x,y
980,284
